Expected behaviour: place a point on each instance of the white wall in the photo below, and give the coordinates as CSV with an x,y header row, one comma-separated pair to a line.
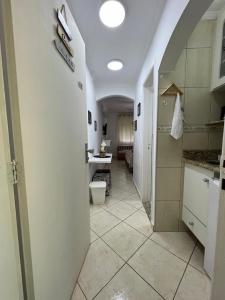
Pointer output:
x,y
169,19
170,28
94,137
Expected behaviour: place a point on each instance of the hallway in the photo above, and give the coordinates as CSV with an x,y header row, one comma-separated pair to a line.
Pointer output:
x,y
126,260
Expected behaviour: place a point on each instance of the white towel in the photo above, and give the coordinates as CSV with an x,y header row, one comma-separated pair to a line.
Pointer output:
x,y
177,124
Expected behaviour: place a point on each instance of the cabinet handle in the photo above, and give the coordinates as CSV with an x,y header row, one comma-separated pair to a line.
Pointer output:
x,y
206,180
191,223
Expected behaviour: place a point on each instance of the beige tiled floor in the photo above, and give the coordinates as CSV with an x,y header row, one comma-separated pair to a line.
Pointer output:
x,y
127,261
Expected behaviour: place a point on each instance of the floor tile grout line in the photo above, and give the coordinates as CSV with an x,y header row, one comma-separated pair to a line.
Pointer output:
x,y
82,290
189,263
77,281
136,210
118,217
138,230
95,232
123,198
121,221
184,273
137,250
109,229
146,237
104,208
126,260
202,272
109,281
146,281
129,226
126,263
163,247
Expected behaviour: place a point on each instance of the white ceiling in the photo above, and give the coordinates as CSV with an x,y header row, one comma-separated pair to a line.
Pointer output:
x,y
117,104
129,42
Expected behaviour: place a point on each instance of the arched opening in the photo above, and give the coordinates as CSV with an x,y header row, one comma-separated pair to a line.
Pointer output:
x,y
189,62
114,108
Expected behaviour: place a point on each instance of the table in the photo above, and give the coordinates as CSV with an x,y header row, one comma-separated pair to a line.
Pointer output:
x,y
100,160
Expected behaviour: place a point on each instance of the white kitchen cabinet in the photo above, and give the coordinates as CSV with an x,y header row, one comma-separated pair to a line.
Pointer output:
x,y
218,66
195,200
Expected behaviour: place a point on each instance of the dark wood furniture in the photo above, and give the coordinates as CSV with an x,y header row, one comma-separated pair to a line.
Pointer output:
x,y
121,151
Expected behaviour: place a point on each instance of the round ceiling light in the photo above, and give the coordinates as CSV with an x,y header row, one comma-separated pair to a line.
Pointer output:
x,y
112,13
115,65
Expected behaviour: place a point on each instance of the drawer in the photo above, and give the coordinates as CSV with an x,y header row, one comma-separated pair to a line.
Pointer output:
x,y
199,230
196,191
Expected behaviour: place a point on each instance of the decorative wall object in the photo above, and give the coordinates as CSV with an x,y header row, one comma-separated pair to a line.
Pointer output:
x,y
64,39
139,109
65,36
89,117
63,21
95,125
135,125
64,53
172,90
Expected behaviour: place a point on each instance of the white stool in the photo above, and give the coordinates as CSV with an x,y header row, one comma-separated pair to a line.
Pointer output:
x,y
98,189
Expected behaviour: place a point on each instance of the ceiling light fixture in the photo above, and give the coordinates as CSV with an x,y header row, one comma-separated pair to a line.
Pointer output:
x,y
112,13
115,65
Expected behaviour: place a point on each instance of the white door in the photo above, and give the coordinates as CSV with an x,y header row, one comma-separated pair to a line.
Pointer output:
x,y
53,126
10,274
147,155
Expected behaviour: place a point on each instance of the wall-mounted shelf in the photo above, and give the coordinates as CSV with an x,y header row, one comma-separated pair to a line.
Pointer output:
x,y
216,123
172,90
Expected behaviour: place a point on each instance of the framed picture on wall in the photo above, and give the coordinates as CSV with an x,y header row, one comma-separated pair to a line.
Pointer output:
x,y
89,117
139,109
135,125
95,125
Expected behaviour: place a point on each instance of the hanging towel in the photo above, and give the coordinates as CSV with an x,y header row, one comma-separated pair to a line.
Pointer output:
x,y
177,124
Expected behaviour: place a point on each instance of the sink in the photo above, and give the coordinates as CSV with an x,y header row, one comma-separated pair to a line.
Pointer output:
x,y
98,156
213,162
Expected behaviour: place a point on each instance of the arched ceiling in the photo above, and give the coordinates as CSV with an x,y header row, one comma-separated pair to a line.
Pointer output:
x,y
117,104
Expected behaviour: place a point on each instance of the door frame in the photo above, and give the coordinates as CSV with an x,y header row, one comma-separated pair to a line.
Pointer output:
x,y
148,176
15,144
218,287
10,200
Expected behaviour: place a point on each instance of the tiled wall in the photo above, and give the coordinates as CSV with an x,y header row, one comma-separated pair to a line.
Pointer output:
x,y
192,75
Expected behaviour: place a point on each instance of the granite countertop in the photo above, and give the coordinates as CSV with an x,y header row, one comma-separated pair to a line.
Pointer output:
x,y
202,164
200,158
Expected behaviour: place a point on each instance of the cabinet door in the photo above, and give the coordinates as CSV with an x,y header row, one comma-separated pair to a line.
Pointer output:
x,y
196,189
218,65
